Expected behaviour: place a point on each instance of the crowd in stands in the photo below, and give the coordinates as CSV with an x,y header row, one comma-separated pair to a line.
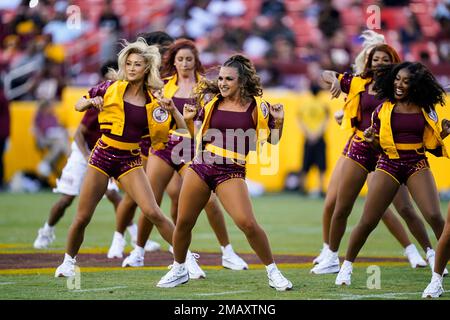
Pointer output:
x,y
289,40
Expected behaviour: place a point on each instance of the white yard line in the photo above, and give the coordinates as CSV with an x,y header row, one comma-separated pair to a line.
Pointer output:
x,y
221,293
6,283
99,289
381,295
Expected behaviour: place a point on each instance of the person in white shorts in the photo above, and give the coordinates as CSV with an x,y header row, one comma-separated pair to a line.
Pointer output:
x,y
69,184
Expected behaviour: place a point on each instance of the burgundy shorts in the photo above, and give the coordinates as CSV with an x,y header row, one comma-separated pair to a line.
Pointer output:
x,y
114,162
344,152
178,152
215,173
145,145
410,162
362,153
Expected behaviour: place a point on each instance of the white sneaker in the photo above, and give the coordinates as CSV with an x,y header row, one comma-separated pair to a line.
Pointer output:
x,y
344,276
151,246
195,272
330,264
434,288
278,281
414,257
430,258
135,259
177,275
117,246
322,254
44,239
133,231
67,268
231,260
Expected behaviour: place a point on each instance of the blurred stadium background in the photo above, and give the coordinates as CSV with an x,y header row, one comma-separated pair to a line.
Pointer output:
x,y
53,49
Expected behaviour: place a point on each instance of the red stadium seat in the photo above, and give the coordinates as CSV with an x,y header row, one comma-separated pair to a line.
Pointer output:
x,y
424,46
394,17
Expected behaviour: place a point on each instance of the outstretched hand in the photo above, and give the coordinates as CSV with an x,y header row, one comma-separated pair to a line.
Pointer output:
x,y
167,104
446,125
189,111
97,103
335,89
445,128
277,112
369,134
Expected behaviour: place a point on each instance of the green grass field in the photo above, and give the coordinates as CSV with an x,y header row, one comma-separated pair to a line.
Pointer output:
x,y
292,223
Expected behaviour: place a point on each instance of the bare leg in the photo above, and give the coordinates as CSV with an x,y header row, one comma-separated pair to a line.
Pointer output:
x,y
159,174
136,184
59,208
125,213
405,209
424,192
352,179
114,197
330,200
393,224
234,196
382,190
92,191
443,247
194,195
126,209
396,228
173,191
217,220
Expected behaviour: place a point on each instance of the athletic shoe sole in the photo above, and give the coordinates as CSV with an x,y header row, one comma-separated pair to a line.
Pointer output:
x,y
232,266
432,296
131,266
175,283
196,277
328,270
286,288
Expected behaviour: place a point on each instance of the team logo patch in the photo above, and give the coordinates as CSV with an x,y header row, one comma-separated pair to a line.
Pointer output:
x,y
264,109
160,115
433,115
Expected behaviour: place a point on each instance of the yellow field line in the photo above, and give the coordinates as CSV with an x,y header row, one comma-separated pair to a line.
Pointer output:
x,y
13,245
252,266
59,251
104,250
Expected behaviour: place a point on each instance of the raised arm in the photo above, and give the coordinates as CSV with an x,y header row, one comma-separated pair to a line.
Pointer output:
x,y
331,82
170,106
83,104
80,141
276,123
189,113
445,128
